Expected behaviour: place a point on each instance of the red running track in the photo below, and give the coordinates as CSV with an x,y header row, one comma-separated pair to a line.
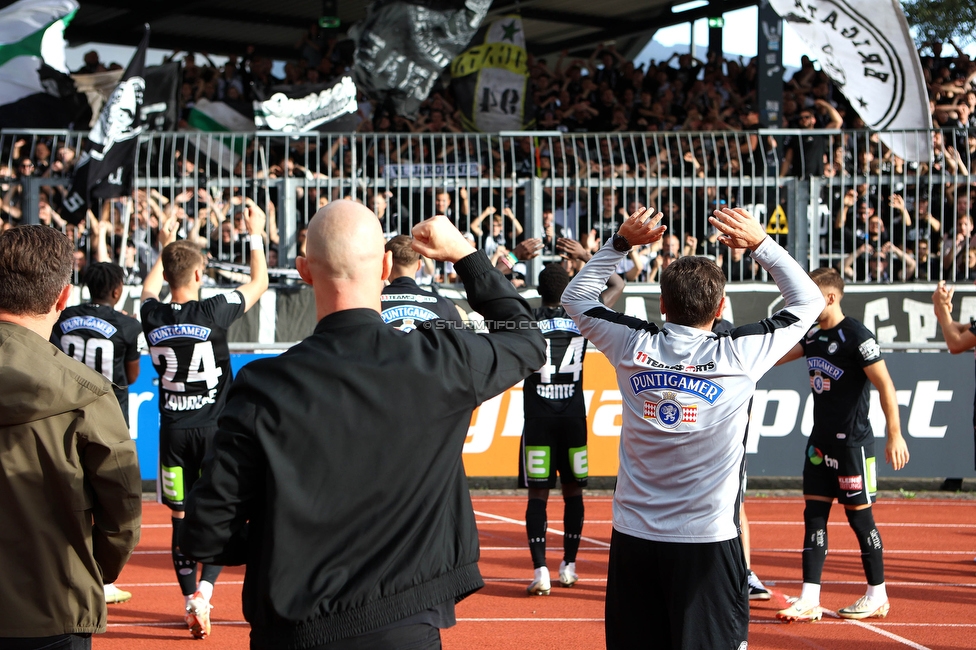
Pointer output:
x,y
930,573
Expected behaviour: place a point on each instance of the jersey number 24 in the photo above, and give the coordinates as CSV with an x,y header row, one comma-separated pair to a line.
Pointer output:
x,y
203,366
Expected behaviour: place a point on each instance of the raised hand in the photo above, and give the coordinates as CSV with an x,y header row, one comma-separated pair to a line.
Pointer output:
x,y
641,228
739,228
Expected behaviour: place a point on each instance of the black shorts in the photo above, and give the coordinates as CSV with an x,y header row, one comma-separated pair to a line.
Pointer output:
x,y
181,453
551,445
670,595
848,474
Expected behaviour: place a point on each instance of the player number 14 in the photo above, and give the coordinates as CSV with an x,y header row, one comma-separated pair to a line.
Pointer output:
x,y
572,361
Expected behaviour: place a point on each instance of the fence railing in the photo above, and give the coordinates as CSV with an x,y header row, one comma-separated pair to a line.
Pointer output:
x,y
833,198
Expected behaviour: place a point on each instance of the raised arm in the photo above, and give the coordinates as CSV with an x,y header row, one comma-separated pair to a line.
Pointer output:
x,y
766,342
513,349
605,328
255,220
153,283
959,337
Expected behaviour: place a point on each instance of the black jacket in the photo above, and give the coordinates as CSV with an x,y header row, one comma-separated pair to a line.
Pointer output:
x,y
336,474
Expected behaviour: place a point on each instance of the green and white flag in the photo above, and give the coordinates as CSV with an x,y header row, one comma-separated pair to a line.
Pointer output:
x,y
219,118
31,31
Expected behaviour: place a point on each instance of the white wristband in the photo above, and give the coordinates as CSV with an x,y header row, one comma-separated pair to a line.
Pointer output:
x,y
257,241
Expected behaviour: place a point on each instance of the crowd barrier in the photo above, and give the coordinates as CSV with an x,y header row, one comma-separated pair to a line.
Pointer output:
x,y
825,214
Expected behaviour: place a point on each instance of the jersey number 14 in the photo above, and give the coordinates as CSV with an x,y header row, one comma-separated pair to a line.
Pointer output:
x,y
572,361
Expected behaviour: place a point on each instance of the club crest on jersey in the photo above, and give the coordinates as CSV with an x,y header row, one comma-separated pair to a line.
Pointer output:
x,y
669,412
832,348
819,383
103,327
677,382
187,331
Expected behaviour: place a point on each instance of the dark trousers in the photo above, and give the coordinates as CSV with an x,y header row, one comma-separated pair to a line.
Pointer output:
x,y
404,637
60,642
676,596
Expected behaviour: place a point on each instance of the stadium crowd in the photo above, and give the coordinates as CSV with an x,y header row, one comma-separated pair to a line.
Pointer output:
x,y
885,220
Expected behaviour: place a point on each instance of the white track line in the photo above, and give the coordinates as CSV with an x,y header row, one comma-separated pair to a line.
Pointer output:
x,y
551,530
878,630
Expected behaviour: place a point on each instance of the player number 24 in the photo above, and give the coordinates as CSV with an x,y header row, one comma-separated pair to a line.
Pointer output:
x,y
572,361
203,366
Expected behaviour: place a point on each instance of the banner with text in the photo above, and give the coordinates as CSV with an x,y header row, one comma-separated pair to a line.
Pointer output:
x,y
934,393
868,52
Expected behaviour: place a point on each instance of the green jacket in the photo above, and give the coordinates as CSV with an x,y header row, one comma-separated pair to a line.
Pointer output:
x,y
70,490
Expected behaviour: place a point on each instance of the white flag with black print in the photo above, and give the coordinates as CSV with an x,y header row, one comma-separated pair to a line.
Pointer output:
x,y
106,167
868,52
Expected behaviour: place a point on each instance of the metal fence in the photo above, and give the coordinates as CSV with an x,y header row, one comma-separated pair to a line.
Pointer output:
x,y
833,198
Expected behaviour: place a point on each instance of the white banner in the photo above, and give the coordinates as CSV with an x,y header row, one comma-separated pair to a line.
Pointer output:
x,y
280,113
866,49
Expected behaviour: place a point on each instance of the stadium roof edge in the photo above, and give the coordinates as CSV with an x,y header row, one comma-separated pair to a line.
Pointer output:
x,y
228,26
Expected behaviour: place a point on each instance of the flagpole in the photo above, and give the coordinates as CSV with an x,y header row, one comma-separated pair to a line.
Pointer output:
x,y
126,216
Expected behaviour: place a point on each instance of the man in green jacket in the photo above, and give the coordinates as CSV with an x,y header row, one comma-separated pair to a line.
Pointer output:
x,y
70,488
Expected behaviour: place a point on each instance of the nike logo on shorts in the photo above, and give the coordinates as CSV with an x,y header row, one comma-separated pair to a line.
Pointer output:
x,y
853,494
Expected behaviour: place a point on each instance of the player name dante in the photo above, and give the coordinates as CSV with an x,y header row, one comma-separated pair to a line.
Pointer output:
x,y
653,379
555,391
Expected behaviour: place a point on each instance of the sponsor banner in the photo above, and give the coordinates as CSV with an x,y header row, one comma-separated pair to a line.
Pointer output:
x,y
934,394
432,171
868,52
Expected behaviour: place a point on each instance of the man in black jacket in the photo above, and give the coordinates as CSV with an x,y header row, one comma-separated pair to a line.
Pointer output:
x,y
336,558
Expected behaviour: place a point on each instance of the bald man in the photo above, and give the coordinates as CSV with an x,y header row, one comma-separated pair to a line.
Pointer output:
x,y
336,475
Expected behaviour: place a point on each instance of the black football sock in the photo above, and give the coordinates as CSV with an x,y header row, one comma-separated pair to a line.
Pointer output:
x,y
535,528
815,517
573,524
186,569
868,537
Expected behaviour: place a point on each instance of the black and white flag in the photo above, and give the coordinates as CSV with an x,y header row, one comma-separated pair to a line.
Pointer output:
x,y
868,52
402,46
106,167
